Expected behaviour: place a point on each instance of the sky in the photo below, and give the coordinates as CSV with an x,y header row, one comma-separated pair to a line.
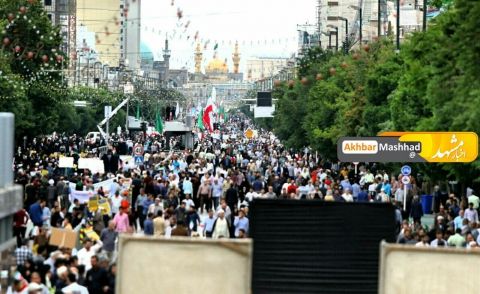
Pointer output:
x,y
263,28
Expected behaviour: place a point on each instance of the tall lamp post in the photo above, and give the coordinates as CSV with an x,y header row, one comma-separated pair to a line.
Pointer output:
x,y
424,26
336,35
360,12
398,25
346,32
329,34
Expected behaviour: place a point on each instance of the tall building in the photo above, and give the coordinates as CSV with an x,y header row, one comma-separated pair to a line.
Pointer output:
x,y
103,19
263,67
63,14
328,17
130,33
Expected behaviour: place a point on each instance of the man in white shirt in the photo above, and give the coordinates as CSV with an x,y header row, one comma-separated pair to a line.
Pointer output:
x,y
347,196
85,254
116,201
73,287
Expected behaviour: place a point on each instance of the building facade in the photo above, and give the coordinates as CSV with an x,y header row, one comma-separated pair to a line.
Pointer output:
x,y
104,20
263,67
130,33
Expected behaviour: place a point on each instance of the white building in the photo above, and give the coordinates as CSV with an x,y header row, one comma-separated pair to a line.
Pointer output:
x,y
130,33
263,67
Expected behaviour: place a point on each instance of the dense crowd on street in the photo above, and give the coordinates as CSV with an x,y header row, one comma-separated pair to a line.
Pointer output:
x,y
204,192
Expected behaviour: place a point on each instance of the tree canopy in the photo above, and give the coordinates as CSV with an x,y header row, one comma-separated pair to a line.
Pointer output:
x,y
433,84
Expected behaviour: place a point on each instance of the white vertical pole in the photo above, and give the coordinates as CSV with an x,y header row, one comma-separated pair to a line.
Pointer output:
x,y
7,128
405,197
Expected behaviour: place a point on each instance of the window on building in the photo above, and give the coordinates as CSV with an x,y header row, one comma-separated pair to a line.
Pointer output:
x,y
48,2
49,16
121,6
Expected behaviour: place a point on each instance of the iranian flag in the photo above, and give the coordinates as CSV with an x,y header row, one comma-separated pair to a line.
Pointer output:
x,y
209,111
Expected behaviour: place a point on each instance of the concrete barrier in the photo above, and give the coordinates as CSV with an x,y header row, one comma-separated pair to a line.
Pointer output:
x,y
183,265
419,270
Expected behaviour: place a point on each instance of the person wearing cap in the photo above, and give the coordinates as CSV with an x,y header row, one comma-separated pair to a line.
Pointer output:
x,y
51,192
221,227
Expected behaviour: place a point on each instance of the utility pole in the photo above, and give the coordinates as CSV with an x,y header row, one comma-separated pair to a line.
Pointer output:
x,y
424,28
361,29
379,16
398,25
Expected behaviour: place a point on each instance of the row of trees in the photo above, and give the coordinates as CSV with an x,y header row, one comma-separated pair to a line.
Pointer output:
x,y
33,87
433,84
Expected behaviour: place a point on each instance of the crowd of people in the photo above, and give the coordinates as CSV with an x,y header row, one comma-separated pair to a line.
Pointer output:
x,y
204,192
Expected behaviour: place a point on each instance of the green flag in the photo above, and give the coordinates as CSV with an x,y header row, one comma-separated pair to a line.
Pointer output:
x,y
215,47
158,122
138,110
200,121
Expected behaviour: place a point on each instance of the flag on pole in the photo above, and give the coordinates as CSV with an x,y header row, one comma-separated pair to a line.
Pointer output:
x,y
215,47
158,122
137,116
177,110
209,111
200,120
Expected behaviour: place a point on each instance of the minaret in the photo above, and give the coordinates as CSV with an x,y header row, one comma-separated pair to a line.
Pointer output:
x,y
166,55
198,59
236,59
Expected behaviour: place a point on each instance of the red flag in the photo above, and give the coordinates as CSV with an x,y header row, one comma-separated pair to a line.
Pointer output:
x,y
207,117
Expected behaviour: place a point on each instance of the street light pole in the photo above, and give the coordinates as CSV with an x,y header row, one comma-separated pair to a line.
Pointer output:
x,y
330,40
379,16
361,33
346,34
336,39
398,24
424,15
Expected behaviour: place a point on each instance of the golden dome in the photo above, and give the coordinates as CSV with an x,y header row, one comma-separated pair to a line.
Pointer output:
x,y
216,66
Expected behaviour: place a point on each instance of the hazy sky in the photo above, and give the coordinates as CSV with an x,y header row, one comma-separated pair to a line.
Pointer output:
x,y
262,27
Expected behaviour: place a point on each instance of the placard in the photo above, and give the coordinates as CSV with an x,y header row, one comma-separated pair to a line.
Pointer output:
x,y
65,162
63,238
95,165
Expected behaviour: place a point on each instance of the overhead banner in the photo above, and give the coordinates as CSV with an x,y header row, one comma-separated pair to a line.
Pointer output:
x,y
410,147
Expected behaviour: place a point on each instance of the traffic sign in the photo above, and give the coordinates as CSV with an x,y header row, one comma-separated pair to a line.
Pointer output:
x,y
406,170
406,180
138,150
138,160
249,133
